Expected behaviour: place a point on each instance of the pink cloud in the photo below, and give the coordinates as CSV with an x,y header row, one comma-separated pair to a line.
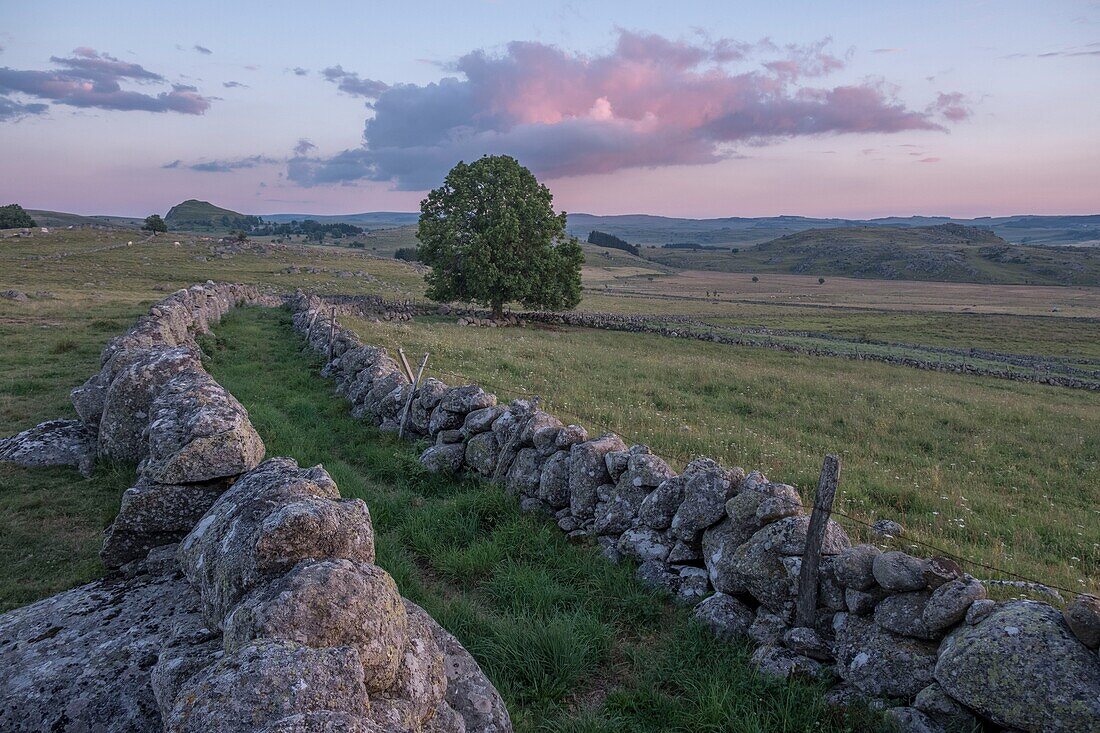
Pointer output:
x,y
649,102
952,106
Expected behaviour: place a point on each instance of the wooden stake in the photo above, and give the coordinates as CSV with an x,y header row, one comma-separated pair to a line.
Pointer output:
x,y
331,334
815,535
408,404
408,369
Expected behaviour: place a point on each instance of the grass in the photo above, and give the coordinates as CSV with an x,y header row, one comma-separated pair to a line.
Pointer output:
x,y
572,642
1001,472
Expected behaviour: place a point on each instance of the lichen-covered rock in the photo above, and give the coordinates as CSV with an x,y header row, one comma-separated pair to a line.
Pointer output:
x,y
265,682
430,392
442,419
949,603
569,436
525,472
128,400
1082,615
323,721
481,420
911,720
52,443
707,487
554,480
643,544
862,602
807,642
464,400
648,470
897,572
660,505
271,518
446,458
879,662
657,575
482,451
1022,668
80,660
328,603
782,663
421,682
587,471
767,627
726,617
155,514
618,513
469,691
197,431
854,567
903,613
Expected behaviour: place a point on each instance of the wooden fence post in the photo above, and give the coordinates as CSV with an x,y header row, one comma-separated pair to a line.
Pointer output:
x,y
331,333
815,535
412,394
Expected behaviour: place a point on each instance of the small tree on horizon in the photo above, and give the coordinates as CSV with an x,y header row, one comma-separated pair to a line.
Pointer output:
x,y
491,236
153,223
14,216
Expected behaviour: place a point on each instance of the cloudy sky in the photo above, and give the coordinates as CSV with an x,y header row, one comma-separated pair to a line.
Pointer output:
x,y
827,108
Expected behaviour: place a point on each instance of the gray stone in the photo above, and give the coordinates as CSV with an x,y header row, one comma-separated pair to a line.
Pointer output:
x,y
727,617
660,505
938,705
464,400
643,543
854,567
80,660
693,586
469,691
808,643
444,458
525,473
887,528
430,392
619,512
587,471
911,720
479,421
197,431
265,682
897,572
781,663
940,570
482,451
655,574
861,602
767,627
272,517
571,435
554,480
648,470
447,437
443,419
949,603
1021,667
1082,615
53,443
979,610
903,614
418,691
328,603
879,662
616,462
707,487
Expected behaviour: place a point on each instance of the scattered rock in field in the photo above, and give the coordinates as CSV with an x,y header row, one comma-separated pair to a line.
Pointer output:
x,y
16,295
52,443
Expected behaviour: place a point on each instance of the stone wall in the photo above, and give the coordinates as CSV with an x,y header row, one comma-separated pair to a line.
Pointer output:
x,y
246,597
918,633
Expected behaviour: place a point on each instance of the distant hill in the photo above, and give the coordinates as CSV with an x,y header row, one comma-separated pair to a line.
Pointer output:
x,y
942,252
203,214
61,219
744,231
368,220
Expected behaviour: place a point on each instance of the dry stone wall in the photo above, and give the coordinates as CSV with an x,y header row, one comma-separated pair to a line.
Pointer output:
x,y
246,596
917,632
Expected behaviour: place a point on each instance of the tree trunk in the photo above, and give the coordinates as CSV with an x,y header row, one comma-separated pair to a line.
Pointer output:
x,y
498,311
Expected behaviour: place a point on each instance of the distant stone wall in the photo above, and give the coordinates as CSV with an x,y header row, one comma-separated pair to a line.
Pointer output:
x,y
916,631
246,596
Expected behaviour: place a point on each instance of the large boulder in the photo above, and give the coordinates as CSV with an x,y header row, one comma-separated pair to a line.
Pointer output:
x,y
266,682
197,432
1022,668
881,663
588,471
469,691
80,660
416,695
261,527
52,443
128,400
154,514
328,603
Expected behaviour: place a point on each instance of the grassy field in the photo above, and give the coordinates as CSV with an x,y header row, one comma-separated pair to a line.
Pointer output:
x,y
998,471
572,642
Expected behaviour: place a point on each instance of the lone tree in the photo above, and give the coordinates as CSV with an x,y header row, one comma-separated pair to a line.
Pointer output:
x,y
491,236
14,216
153,223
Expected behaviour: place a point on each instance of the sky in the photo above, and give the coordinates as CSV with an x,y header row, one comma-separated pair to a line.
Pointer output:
x,y
697,109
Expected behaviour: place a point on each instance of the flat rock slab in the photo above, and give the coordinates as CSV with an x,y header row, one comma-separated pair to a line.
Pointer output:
x,y
52,443
80,660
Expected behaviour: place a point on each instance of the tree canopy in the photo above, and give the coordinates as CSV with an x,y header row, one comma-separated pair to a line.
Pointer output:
x,y
14,216
491,237
153,223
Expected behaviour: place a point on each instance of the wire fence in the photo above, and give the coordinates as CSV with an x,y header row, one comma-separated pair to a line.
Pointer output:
x,y
685,459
